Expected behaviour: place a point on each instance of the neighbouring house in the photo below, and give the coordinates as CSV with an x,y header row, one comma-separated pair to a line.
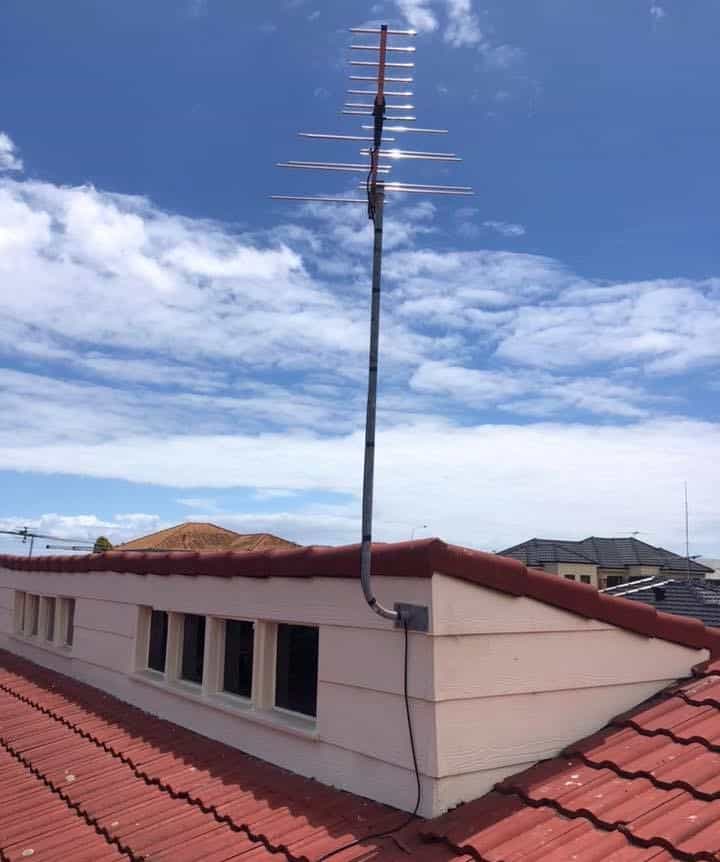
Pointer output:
x,y
604,562
691,598
192,536
714,565
219,706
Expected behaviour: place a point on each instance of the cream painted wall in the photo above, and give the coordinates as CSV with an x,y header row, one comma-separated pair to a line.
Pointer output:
x,y
498,683
576,569
643,571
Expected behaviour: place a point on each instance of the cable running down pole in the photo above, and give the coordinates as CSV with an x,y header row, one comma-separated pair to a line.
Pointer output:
x,y
376,205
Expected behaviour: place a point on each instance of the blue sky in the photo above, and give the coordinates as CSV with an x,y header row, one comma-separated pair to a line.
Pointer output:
x,y
175,345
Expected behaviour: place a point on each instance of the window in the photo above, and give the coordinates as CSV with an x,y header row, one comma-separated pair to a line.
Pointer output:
x,y
570,577
296,668
68,618
19,612
193,651
157,646
49,619
585,579
32,615
237,674
613,580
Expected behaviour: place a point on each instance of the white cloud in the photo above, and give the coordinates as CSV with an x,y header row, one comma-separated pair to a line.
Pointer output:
x,y
197,8
530,393
180,352
198,502
505,228
9,158
419,15
461,28
483,485
666,326
463,25
77,528
657,12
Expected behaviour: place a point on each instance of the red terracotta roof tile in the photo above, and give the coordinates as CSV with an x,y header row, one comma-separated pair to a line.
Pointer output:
x,y
420,559
123,784
645,788
194,536
93,769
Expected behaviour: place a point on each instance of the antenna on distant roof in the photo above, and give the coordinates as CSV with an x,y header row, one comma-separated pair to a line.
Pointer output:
x,y
379,164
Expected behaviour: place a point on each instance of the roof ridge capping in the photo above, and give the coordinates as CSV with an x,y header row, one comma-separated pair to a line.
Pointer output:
x,y
511,576
420,558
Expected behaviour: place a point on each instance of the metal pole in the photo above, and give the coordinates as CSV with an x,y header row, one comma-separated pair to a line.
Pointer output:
x,y
376,205
369,466
687,533
32,542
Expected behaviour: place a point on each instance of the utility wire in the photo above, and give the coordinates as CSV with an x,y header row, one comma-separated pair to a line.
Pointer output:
x,y
389,832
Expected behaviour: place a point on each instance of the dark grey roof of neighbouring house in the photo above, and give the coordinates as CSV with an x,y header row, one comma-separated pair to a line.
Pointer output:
x,y
690,598
607,553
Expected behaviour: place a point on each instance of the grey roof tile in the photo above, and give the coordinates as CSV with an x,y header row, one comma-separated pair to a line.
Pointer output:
x,y
608,553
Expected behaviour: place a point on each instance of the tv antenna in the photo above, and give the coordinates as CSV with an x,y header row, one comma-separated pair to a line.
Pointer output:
x,y
26,534
376,79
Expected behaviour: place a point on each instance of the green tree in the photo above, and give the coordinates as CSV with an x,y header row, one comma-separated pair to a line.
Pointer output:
x,y
102,544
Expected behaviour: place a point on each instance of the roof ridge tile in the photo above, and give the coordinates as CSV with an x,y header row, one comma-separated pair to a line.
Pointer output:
x,y
420,558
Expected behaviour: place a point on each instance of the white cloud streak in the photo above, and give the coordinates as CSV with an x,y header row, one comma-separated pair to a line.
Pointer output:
x,y
9,158
418,14
504,228
148,347
657,12
482,485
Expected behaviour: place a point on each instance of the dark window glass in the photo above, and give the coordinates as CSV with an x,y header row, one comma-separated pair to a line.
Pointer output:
x,y
585,579
613,580
34,614
297,668
239,636
157,648
570,577
50,619
193,647
70,621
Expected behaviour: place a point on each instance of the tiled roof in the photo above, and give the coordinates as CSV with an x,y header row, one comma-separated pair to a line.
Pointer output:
x,y
535,552
193,536
608,553
699,599
261,542
419,559
645,788
87,778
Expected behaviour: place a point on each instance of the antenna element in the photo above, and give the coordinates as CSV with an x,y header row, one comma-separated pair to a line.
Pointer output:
x,y
376,147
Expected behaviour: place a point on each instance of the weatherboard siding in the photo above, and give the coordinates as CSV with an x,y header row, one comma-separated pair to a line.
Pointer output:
x,y
359,740
498,682
515,681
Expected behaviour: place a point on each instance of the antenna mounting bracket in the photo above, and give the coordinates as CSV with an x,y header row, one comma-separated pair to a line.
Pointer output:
x,y
416,617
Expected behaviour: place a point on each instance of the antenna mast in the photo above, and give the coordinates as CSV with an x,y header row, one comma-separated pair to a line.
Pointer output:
x,y
376,188
687,532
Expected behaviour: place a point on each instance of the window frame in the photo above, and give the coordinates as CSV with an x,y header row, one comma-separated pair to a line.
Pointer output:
x,y
149,645
312,716
48,618
201,642
222,659
260,706
31,615
68,607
